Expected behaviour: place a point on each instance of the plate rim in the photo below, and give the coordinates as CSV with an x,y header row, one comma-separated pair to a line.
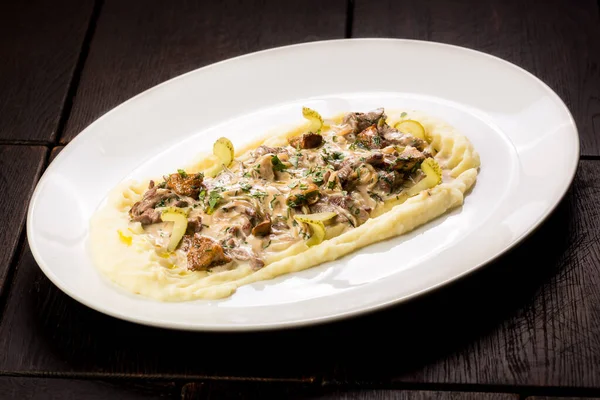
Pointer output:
x,y
319,320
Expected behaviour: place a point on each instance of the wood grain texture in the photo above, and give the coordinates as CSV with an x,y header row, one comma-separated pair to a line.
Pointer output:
x,y
252,390
45,330
561,398
556,40
71,389
40,42
54,152
20,167
531,318
141,43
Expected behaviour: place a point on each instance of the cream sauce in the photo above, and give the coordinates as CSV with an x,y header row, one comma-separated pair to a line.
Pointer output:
x,y
135,258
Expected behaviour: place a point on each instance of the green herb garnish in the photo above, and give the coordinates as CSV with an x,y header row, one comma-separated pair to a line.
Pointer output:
x,y
258,194
245,186
294,161
271,203
277,164
182,173
213,200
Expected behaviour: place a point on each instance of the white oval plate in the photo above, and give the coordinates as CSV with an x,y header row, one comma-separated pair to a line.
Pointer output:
x,y
525,135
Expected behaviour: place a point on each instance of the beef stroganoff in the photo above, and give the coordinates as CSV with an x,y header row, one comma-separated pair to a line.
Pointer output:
x,y
284,203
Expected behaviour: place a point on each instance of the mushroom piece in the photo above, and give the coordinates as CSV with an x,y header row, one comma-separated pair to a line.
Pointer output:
x,y
305,194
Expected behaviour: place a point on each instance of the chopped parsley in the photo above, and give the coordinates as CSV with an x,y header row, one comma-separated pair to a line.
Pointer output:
x,y
334,139
296,200
277,164
331,185
293,184
377,140
258,194
318,177
337,155
386,178
182,173
294,160
358,144
273,200
202,195
161,203
375,196
303,186
213,200
403,115
245,186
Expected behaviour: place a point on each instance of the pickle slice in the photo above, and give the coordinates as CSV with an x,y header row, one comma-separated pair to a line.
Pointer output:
x,y
411,127
179,218
433,177
223,149
316,224
223,154
316,121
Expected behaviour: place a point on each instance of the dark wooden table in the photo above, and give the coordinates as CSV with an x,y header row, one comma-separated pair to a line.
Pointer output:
x,y
527,326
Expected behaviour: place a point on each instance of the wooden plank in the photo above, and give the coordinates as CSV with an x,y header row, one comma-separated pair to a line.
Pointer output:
x,y
557,40
224,390
45,330
70,389
141,43
40,43
20,167
561,398
253,390
530,318
55,151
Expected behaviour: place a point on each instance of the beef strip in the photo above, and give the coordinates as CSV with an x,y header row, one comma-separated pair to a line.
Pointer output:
x,y
376,159
388,180
358,122
370,138
185,185
306,141
205,253
407,160
392,136
194,225
143,211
